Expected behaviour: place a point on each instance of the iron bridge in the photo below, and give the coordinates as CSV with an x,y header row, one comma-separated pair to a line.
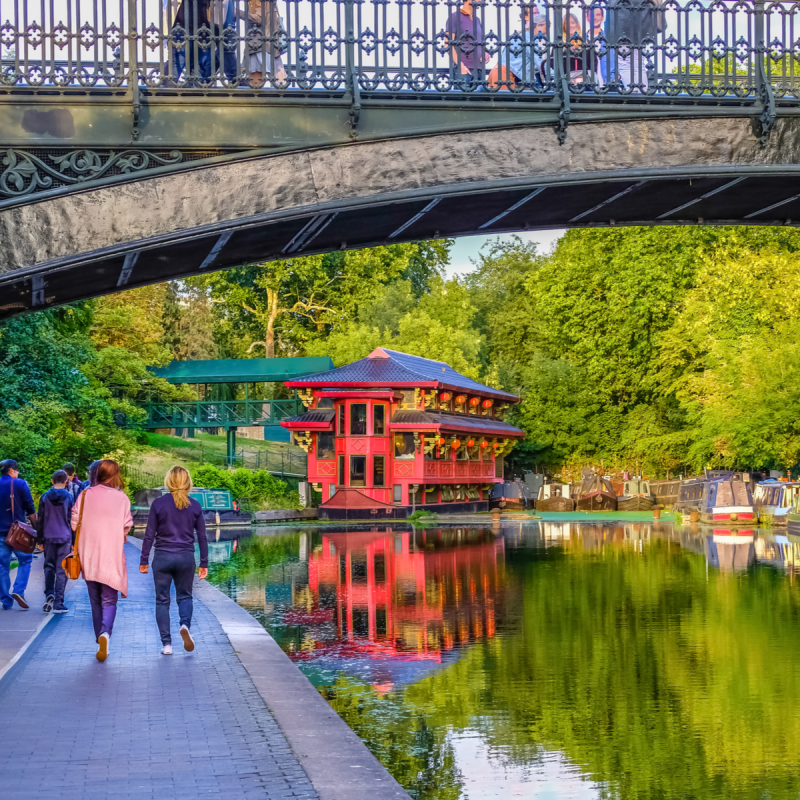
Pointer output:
x,y
144,140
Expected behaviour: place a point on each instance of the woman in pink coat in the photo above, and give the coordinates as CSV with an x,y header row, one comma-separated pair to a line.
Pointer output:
x,y
105,514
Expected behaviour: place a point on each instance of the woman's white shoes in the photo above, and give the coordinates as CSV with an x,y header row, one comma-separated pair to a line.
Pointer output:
x,y
188,642
102,648
166,650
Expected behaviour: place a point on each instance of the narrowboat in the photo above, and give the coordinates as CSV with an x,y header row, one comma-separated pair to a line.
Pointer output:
x,y
511,496
665,493
595,494
793,517
774,500
218,506
636,496
727,500
554,497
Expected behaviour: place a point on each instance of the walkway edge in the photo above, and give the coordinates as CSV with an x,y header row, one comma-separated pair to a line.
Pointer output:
x,y
336,761
24,649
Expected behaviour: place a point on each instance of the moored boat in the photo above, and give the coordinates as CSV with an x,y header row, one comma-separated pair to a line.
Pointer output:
x,y
665,493
511,496
774,500
218,506
595,493
636,496
727,499
554,497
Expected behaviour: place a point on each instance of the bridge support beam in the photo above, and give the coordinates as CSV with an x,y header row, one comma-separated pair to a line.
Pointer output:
x,y
231,450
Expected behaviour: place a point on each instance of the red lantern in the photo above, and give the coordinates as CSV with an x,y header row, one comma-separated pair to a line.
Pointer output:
x,y
445,397
455,444
470,443
495,444
487,404
461,399
484,443
473,401
440,442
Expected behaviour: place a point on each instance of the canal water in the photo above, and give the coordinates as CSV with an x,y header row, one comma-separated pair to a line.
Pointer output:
x,y
544,660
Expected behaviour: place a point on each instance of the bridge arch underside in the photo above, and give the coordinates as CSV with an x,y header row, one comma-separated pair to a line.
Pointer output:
x,y
68,246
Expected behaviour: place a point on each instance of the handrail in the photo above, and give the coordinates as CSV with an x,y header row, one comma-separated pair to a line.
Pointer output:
x,y
401,48
218,413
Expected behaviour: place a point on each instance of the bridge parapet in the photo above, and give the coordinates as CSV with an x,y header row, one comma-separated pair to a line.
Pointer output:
x,y
606,53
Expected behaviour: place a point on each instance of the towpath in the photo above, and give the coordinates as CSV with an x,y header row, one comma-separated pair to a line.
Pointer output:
x,y
143,726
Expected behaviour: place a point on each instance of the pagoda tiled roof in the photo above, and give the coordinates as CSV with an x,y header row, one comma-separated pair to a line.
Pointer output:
x,y
389,368
454,422
316,417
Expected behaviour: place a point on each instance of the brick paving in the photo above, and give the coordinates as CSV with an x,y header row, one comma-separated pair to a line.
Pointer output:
x,y
141,725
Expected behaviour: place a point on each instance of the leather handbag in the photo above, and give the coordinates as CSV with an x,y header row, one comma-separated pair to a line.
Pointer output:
x,y
21,536
72,563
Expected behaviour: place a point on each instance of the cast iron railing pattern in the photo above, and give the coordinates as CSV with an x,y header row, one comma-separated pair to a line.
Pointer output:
x,y
219,413
701,50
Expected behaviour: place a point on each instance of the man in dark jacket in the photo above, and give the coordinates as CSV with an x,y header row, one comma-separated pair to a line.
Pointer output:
x,y
631,25
73,484
11,485
55,532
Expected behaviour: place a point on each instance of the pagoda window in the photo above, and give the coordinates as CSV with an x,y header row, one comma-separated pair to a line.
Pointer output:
x,y
498,467
404,446
462,453
416,496
358,419
325,450
325,402
358,470
340,431
447,494
341,473
379,470
379,419
397,497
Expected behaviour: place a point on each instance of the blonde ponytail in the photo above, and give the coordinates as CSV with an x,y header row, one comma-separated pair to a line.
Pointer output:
x,y
179,484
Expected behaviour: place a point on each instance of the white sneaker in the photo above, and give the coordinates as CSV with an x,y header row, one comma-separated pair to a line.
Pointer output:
x,y
188,642
166,650
102,649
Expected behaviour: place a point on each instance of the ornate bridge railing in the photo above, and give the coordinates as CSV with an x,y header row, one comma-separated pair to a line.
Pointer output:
x,y
222,413
607,49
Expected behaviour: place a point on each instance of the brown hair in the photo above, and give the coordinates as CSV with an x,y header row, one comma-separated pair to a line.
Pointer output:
x,y
108,474
179,483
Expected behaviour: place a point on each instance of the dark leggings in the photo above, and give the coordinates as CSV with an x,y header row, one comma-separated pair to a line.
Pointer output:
x,y
169,567
103,600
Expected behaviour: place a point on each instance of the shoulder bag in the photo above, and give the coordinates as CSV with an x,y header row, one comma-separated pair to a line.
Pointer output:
x,y
72,563
21,536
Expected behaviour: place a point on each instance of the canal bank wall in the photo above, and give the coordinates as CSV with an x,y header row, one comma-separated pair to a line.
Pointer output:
x,y
338,764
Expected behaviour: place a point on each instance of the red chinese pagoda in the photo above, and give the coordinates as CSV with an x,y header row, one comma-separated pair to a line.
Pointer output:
x,y
393,432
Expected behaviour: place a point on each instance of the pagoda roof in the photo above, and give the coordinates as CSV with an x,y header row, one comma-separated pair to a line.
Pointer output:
x,y
452,422
315,419
388,368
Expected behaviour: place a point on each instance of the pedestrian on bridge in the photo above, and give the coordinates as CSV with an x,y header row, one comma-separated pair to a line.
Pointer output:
x,y
15,504
175,519
104,514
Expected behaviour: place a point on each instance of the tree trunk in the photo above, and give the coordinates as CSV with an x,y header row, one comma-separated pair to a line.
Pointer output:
x,y
272,314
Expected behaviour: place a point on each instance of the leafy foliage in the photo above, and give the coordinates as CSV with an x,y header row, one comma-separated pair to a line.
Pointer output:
x,y
254,486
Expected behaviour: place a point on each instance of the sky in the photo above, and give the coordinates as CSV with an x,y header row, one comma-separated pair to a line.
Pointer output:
x,y
466,248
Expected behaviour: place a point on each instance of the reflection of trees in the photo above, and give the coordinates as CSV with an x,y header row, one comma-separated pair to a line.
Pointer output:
x,y
650,679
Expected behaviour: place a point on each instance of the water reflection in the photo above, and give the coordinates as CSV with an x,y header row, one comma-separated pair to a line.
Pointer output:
x,y
547,660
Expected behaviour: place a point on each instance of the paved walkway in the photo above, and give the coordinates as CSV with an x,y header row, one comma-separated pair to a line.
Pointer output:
x,y
141,725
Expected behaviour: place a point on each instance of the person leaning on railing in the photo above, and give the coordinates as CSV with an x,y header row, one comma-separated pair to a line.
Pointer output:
x,y
264,55
630,24
521,64
466,43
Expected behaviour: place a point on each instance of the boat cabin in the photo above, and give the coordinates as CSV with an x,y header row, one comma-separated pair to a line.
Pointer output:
x,y
555,497
393,432
774,499
511,496
728,500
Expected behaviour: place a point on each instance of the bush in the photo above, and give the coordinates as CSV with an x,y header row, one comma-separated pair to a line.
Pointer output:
x,y
258,487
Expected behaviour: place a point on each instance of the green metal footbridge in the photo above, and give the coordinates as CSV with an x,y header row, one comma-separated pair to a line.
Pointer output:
x,y
231,376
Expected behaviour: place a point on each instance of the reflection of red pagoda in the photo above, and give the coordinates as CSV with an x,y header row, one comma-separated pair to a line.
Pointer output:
x,y
392,432
401,595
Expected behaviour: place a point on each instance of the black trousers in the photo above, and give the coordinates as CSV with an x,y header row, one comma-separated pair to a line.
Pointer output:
x,y
169,568
55,579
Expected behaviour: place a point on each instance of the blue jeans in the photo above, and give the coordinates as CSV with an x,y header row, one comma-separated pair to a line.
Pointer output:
x,y
168,568
23,573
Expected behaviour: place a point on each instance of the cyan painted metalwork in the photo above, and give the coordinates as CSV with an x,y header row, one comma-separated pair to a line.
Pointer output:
x,y
559,52
228,414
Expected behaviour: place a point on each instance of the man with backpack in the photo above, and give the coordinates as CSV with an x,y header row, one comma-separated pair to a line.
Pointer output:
x,y
55,531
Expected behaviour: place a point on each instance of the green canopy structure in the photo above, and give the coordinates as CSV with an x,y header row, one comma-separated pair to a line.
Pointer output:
x,y
243,370
265,412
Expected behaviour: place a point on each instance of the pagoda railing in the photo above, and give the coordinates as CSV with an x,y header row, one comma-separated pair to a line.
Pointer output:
x,y
698,51
220,413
